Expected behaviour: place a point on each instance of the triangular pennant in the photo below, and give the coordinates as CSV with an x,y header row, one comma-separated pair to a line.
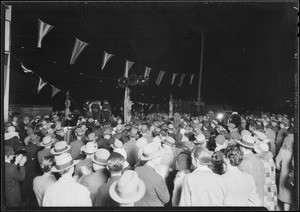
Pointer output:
x,y
54,91
160,77
181,80
106,58
77,49
147,72
43,29
173,78
26,70
127,67
192,77
41,84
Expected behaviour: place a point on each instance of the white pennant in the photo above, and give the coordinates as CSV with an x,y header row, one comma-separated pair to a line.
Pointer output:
x,y
41,84
173,78
54,91
181,80
160,77
77,49
192,77
26,70
127,67
43,29
147,72
106,58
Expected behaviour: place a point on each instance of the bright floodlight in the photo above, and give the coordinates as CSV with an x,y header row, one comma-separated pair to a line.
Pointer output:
x,y
220,116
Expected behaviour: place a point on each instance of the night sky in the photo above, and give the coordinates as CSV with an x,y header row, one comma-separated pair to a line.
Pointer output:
x,y
249,57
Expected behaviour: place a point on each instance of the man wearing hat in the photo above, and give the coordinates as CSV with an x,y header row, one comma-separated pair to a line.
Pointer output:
x,y
156,189
128,189
221,142
66,192
275,126
89,149
47,143
100,175
11,138
115,165
251,164
200,140
77,144
282,133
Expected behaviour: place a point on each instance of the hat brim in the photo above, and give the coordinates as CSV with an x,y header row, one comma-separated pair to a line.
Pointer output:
x,y
158,154
97,162
54,169
200,142
239,142
58,153
114,195
44,145
84,149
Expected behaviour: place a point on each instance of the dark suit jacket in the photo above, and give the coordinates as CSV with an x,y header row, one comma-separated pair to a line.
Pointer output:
x,y
157,193
103,198
14,143
75,148
43,153
94,181
13,176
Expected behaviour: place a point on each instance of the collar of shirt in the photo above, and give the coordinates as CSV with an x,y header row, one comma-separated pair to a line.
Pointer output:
x,y
232,168
203,168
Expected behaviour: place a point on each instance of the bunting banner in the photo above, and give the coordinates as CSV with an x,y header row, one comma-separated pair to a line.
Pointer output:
x,y
54,91
43,30
151,105
77,49
171,106
181,80
106,58
147,72
41,84
127,67
127,106
173,78
192,77
26,70
160,77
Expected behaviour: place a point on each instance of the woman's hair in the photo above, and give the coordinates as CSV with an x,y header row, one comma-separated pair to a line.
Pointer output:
x,y
234,154
202,155
47,163
115,162
217,163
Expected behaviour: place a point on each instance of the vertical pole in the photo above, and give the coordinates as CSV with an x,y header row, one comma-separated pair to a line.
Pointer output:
x,y
200,73
7,61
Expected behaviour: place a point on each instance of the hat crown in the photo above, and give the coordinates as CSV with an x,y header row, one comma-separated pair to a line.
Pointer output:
x,y
118,143
63,159
92,136
200,137
46,140
90,147
60,145
121,151
263,146
128,182
150,149
101,155
249,139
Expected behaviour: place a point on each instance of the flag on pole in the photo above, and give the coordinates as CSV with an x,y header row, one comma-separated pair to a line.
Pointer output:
x,y
173,78
54,91
181,80
127,106
127,67
192,77
147,72
43,30
41,84
77,49
26,70
171,106
159,77
106,58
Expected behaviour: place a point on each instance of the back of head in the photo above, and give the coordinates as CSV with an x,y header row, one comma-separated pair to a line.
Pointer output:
x,y
8,151
47,163
183,161
202,155
234,154
115,162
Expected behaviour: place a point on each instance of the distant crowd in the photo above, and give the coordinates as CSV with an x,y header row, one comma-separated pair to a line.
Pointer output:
x,y
95,160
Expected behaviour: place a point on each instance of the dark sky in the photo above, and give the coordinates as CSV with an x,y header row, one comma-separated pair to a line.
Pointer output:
x,y
248,54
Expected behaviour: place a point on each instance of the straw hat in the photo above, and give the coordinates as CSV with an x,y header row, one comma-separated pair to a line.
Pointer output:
x,y
247,141
117,144
128,189
200,139
220,139
89,148
169,141
141,142
92,137
63,162
47,141
151,151
60,147
261,136
34,138
100,156
261,147
133,132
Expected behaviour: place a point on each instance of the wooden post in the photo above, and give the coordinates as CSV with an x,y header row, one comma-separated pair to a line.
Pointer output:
x,y
200,73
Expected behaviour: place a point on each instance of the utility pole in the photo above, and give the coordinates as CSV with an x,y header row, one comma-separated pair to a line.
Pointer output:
x,y
200,73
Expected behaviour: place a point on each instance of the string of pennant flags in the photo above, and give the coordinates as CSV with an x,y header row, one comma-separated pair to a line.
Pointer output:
x,y
44,28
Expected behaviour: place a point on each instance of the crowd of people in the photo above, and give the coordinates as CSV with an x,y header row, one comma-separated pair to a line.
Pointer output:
x,y
155,160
